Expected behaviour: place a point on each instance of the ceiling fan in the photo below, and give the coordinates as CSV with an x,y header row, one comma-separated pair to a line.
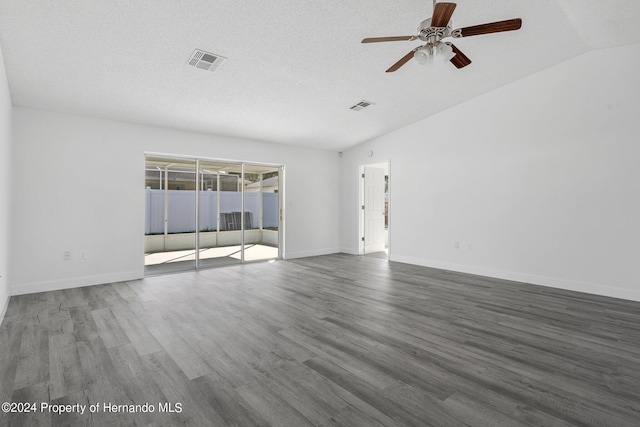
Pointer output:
x,y
433,30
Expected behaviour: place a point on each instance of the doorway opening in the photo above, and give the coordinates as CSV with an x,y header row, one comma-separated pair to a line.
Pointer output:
x,y
374,212
202,213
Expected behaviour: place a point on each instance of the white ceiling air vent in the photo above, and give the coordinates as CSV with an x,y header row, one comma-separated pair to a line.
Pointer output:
x,y
205,60
361,105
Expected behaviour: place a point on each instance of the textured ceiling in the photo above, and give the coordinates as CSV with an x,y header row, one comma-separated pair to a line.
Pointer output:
x,y
294,67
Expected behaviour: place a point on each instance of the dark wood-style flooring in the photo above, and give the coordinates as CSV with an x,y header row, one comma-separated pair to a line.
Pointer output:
x,y
335,340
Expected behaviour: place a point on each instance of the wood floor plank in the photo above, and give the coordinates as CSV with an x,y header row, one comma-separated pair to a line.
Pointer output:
x,y
478,414
65,372
335,395
316,407
108,328
350,416
364,391
271,406
100,382
177,388
83,327
348,361
125,291
232,409
75,418
138,334
10,338
219,353
417,405
180,350
33,363
135,382
329,398
59,321
32,394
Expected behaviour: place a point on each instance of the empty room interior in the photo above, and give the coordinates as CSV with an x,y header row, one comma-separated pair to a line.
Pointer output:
x,y
313,213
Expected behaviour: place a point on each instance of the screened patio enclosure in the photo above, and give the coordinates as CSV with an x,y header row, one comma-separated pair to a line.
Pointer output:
x,y
203,213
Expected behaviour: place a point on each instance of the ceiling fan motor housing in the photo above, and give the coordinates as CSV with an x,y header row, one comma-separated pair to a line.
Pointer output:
x,y
430,34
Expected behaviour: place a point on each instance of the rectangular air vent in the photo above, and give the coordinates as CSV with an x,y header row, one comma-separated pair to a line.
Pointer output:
x,y
205,60
361,105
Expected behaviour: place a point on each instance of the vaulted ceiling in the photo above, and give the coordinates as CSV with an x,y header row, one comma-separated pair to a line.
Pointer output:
x,y
294,67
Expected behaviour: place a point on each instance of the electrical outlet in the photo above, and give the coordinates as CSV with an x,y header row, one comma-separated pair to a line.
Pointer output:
x,y
66,256
456,245
83,255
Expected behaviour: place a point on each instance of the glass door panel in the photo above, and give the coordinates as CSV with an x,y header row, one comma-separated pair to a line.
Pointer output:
x,y
170,224
220,207
261,212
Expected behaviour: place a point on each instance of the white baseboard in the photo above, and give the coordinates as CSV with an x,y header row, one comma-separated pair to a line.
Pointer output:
x,y
313,252
351,251
75,282
552,282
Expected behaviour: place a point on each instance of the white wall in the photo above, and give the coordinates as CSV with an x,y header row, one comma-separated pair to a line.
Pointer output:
x,y
89,176
5,186
541,178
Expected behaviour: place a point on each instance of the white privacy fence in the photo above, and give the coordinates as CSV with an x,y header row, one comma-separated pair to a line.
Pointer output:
x,y
182,207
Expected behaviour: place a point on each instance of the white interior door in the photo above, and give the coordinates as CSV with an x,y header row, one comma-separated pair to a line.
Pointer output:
x,y
373,209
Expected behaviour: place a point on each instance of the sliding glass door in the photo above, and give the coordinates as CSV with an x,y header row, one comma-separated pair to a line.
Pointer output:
x,y
204,213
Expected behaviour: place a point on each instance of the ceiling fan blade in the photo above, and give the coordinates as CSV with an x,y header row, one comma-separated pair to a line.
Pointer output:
x,y
493,27
442,14
401,62
388,39
460,60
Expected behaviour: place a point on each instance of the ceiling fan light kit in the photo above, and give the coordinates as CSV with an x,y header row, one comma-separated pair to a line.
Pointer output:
x,y
440,51
439,26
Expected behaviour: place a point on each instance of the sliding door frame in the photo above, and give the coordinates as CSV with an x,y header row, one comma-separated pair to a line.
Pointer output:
x,y
197,159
